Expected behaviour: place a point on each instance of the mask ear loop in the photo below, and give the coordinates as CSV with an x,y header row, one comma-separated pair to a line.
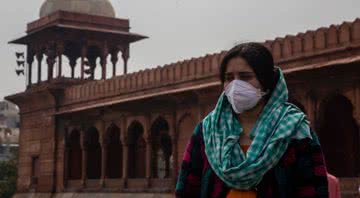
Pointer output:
x,y
262,93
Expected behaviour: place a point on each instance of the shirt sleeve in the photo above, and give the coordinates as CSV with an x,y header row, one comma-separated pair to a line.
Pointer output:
x,y
310,170
189,179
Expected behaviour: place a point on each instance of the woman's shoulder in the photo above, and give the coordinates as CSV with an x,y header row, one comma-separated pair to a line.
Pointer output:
x,y
311,142
303,149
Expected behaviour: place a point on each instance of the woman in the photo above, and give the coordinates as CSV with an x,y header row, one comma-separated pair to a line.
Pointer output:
x,y
254,143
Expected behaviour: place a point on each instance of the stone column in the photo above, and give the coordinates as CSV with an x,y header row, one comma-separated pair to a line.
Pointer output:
x,y
103,163
83,55
125,148
103,61
203,99
103,145
66,157
84,159
39,58
125,56
29,60
60,52
173,136
66,167
51,55
148,159
312,109
72,63
114,60
92,66
174,141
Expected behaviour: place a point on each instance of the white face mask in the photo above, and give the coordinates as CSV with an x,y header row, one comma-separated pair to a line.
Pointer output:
x,y
242,95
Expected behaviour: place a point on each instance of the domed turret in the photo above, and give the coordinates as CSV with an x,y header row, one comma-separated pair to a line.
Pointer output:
x,y
92,7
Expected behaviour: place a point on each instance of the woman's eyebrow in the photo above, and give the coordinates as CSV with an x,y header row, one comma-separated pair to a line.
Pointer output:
x,y
245,72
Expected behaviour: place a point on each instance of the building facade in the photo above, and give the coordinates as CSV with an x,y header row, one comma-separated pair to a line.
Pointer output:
x,y
126,134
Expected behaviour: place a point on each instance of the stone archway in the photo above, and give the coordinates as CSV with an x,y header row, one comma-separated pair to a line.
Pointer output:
x,y
93,147
161,149
186,127
137,151
114,152
339,136
74,155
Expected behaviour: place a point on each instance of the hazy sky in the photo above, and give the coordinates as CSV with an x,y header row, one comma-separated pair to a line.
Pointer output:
x,y
181,29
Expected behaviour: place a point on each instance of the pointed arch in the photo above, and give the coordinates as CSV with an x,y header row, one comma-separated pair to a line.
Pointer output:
x,y
137,151
339,136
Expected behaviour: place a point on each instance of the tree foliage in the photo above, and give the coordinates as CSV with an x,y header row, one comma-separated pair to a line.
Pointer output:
x,y
8,175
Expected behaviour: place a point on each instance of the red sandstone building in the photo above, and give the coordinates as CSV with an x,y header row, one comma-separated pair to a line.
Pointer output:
x,y
125,134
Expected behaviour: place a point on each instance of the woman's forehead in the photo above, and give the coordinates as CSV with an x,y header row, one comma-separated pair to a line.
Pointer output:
x,y
238,68
238,64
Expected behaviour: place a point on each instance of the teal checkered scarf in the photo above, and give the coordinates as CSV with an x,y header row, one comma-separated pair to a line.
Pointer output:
x,y
277,125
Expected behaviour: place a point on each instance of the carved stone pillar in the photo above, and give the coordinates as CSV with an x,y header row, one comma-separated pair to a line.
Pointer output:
x,y
66,164
51,55
148,159
60,52
92,65
30,60
125,56
173,160
39,58
103,61
84,159
125,149
114,60
103,145
203,99
83,55
72,63
103,163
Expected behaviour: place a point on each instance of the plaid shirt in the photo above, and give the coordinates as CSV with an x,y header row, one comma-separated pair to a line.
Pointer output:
x,y
301,172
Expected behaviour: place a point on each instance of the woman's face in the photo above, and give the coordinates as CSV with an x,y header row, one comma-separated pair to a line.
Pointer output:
x,y
238,68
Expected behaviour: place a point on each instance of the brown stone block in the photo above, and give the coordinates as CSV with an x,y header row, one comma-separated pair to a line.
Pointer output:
x,y
308,41
332,36
139,184
320,39
146,77
215,63
355,35
344,33
276,49
287,47
164,74
207,64
199,66
152,76
45,183
171,73
122,83
158,75
184,69
177,74
127,82
192,68
298,44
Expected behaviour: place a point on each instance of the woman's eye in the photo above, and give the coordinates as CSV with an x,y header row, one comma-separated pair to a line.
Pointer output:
x,y
246,77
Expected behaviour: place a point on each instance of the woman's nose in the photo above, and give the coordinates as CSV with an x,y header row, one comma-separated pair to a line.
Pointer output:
x,y
236,77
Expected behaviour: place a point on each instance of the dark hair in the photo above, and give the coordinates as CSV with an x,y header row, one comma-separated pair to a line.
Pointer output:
x,y
260,60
